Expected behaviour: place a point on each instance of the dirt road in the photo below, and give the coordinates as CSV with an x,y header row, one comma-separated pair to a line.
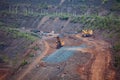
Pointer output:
x,y
102,59
35,62
101,63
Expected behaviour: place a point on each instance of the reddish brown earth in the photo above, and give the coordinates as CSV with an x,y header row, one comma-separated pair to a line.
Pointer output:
x,y
97,68
4,73
35,62
101,63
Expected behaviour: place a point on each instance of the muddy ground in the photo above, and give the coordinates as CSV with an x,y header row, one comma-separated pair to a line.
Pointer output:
x,y
79,59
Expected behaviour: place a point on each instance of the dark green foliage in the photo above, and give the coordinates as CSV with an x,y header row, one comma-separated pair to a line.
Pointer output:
x,y
98,22
104,1
36,35
64,17
31,55
4,58
116,47
24,63
43,6
115,7
35,48
2,45
17,34
117,61
118,0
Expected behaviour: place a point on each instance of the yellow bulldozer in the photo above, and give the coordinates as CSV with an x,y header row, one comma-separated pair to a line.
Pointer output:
x,y
87,33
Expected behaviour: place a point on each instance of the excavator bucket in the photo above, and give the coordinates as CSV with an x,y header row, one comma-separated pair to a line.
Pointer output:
x,y
62,42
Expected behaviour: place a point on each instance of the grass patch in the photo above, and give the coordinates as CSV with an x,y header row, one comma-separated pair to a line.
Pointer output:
x,y
31,55
98,22
62,16
117,61
5,59
17,34
35,48
116,47
24,62
115,7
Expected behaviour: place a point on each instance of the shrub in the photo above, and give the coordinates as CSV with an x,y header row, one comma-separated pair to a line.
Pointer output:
x,y
116,47
17,34
24,62
5,59
98,22
31,55
115,7
35,48
104,1
64,17
117,61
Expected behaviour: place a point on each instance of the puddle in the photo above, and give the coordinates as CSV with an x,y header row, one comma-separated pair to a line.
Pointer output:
x,y
63,54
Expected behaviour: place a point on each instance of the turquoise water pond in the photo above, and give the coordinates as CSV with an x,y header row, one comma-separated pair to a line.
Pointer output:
x,y
63,54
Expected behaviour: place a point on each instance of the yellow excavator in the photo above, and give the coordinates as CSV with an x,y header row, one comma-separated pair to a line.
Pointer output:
x,y
87,33
59,43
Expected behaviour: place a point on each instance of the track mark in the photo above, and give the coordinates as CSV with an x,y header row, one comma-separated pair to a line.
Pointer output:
x,y
44,19
65,25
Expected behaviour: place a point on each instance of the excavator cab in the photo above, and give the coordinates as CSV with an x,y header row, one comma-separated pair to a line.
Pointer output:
x,y
59,43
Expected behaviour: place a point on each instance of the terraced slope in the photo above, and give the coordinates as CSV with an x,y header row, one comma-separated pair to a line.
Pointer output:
x,y
13,46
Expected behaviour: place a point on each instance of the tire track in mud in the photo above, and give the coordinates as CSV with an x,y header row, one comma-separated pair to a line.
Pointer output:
x,y
56,19
68,21
48,25
100,65
35,62
65,25
43,20
102,60
53,23
37,19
